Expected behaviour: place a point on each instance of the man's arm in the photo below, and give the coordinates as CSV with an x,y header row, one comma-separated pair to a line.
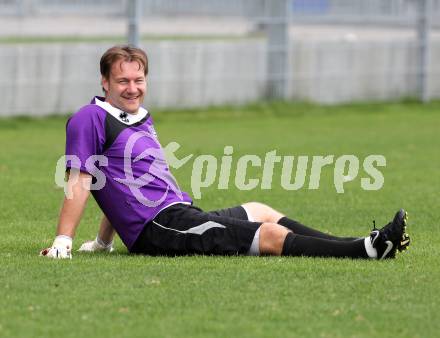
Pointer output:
x,y
78,186
106,231
78,191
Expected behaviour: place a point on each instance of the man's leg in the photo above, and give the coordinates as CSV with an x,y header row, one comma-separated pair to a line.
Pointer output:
x,y
183,229
382,243
272,237
260,212
275,239
186,230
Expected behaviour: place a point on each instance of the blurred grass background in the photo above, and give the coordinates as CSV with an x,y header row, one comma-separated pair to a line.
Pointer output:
x,y
123,295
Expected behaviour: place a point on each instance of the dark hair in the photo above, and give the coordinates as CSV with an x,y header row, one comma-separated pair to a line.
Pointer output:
x,y
126,53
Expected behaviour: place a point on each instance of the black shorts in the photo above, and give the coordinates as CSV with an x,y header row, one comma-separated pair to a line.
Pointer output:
x,y
183,229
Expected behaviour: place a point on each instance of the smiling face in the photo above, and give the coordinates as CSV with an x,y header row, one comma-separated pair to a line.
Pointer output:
x,y
125,86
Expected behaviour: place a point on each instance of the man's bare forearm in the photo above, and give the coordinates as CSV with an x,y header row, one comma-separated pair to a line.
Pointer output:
x,y
106,231
73,207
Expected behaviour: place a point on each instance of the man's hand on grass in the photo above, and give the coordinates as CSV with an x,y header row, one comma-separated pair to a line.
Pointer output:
x,y
96,245
61,248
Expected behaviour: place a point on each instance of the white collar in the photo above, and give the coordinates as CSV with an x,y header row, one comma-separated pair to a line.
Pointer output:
x,y
120,115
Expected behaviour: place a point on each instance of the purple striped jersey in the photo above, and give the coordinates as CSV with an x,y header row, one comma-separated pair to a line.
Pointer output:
x,y
132,181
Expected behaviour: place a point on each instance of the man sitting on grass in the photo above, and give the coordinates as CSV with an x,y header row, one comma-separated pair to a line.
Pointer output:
x,y
112,140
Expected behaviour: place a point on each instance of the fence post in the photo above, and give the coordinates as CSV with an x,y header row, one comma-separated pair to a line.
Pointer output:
x,y
423,7
134,16
277,25
24,8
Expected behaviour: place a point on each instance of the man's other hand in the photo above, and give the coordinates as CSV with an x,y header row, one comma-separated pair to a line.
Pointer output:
x,y
96,245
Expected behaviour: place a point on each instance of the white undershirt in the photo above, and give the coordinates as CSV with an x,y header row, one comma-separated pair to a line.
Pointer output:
x,y
128,119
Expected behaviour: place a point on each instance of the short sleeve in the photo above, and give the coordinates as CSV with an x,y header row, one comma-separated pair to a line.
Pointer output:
x,y
85,136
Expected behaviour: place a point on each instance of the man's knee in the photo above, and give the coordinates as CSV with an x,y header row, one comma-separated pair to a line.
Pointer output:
x,y
272,238
260,212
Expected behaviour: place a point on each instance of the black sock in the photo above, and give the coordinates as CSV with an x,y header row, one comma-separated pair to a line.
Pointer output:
x,y
301,229
299,245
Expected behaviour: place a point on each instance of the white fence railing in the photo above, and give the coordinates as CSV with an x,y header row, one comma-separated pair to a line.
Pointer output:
x,y
244,51
312,11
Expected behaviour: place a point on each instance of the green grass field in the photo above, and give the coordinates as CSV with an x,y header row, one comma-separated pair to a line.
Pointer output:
x,y
120,295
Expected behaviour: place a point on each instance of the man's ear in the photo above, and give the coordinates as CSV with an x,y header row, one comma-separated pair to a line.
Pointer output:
x,y
104,83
